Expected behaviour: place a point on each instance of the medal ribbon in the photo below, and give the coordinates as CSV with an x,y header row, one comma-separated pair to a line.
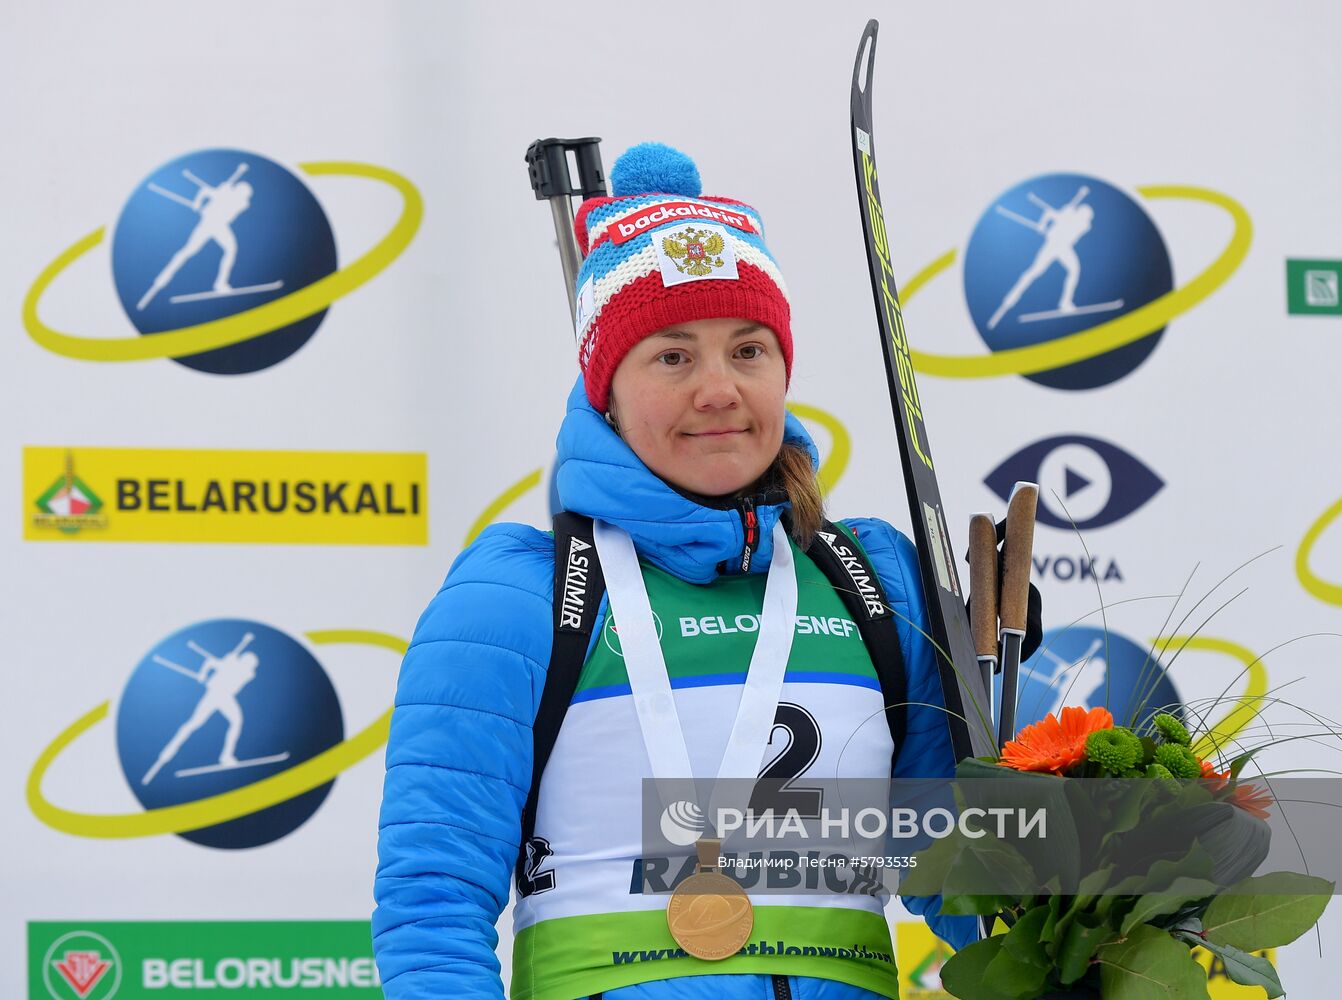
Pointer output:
x,y
650,685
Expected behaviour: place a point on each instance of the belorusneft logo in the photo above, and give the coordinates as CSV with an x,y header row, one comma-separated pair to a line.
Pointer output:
x,y
77,965
180,495
168,958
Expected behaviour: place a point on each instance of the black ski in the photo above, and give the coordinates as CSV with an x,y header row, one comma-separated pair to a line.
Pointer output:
x,y
948,622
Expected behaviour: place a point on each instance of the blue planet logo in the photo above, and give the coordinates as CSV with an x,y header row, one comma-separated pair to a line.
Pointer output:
x,y
225,262
1054,255
1069,283
219,705
1086,666
216,233
229,733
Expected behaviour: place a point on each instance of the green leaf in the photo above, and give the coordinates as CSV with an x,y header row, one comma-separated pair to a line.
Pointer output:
x,y
1268,911
1014,977
1046,933
973,876
974,904
1237,765
1238,845
1023,942
1149,964
1181,892
1243,967
964,974
1197,863
1083,937
934,863
1054,851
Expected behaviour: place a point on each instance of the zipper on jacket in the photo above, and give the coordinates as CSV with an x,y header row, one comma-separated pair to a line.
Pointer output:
x,y
752,529
782,991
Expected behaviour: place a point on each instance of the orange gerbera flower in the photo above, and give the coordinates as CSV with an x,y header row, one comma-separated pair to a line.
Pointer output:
x,y
1252,799
1054,744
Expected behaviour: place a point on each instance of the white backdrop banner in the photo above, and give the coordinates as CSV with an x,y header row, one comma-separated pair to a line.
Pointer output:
x,y
286,327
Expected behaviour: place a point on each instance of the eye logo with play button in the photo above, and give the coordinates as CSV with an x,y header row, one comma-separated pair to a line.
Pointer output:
x,y
1084,482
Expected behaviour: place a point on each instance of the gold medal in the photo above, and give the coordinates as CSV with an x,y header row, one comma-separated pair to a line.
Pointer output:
x,y
709,915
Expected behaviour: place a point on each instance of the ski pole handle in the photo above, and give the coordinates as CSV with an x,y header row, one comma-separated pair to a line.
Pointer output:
x,y
548,166
983,584
1017,552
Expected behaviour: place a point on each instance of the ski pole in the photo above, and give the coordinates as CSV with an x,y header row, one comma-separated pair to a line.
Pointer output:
x,y
983,597
1016,555
177,667
548,165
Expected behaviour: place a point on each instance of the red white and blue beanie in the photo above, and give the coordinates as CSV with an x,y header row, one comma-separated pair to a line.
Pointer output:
x,y
658,253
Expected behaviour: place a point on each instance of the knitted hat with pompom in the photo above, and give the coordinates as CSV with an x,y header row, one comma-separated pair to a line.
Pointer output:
x,y
658,253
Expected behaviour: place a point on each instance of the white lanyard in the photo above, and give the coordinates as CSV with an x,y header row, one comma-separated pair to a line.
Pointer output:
x,y
651,686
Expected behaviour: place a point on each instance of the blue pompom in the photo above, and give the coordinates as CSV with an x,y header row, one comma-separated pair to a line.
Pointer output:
x,y
654,167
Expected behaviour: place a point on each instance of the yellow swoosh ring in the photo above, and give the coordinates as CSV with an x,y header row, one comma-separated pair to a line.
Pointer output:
x,y
238,327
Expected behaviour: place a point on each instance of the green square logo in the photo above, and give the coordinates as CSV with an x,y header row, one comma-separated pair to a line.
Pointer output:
x,y
148,960
1312,287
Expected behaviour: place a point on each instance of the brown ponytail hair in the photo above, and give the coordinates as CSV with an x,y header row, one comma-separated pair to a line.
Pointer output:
x,y
792,473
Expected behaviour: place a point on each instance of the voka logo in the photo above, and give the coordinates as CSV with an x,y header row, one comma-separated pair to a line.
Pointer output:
x,y
229,733
852,565
1068,281
1085,483
575,585
224,261
81,965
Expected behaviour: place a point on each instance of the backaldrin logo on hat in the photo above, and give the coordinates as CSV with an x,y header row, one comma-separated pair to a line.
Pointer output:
x,y
649,218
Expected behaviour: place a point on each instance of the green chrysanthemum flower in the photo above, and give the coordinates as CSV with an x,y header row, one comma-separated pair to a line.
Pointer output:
x,y
1171,729
1178,760
1158,771
1116,750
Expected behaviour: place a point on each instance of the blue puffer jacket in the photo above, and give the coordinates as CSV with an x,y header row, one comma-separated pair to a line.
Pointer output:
x,y
459,756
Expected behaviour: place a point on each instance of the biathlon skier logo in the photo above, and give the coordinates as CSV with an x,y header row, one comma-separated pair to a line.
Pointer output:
x,y
81,965
225,260
1081,665
228,732
217,206
221,705
222,677
1057,255
215,233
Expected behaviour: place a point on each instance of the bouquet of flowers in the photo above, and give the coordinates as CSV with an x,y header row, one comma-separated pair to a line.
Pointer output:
x,y
1150,851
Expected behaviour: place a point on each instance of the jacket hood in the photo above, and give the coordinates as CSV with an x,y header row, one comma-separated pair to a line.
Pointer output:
x,y
694,538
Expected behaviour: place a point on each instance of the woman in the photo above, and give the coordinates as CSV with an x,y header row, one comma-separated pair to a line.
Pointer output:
x,y
677,443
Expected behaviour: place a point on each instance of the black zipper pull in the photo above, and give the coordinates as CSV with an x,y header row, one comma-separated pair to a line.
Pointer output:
x,y
752,529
